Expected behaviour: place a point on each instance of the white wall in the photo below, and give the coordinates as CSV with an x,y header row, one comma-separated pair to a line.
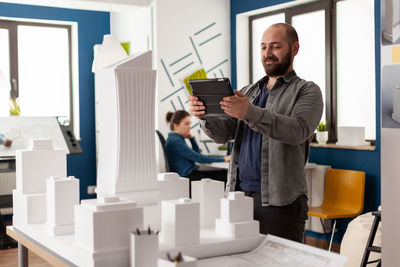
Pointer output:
x,y
134,26
390,144
168,27
178,22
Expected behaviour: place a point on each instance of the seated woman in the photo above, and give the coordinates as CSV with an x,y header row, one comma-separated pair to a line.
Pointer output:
x,y
181,157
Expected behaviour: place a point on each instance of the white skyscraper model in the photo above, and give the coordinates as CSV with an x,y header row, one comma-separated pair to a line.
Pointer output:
x,y
33,166
62,196
127,162
237,217
208,193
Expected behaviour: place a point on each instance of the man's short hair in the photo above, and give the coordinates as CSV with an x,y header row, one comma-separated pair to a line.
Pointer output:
x,y
291,34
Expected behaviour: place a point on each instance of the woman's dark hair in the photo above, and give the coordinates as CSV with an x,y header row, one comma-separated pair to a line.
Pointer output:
x,y
175,117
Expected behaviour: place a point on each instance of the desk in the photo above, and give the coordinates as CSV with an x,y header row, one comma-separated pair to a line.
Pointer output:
x,y
275,250
219,165
26,243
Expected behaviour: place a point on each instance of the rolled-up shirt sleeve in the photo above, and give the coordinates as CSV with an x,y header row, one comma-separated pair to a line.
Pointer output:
x,y
295,128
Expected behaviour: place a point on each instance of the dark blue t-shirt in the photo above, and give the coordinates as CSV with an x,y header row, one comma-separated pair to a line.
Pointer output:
x,y
249,166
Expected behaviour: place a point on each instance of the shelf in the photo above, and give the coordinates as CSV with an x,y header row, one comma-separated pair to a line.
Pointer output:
x,y
367,148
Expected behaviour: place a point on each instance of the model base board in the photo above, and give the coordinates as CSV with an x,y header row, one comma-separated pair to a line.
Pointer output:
x,y
211,245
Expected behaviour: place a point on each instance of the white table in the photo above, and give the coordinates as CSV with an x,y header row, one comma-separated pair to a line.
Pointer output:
x,y
274,250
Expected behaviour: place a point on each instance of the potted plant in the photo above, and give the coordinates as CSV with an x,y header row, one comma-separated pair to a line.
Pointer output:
x,y
322,133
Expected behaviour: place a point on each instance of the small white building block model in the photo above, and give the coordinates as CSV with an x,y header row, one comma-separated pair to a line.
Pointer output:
x,y
172,186
396,104
180,222
237,217
37,163
187,262
104,224
62,196
33,166
208,193
144,249
28,208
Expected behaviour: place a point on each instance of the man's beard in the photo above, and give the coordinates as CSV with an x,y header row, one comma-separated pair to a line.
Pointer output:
x,y
277,69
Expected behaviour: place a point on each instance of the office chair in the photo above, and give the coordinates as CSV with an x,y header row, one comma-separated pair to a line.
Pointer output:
x,y
162,140
343,197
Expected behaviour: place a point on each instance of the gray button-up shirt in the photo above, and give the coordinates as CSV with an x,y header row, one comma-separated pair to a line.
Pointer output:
x,y
287,123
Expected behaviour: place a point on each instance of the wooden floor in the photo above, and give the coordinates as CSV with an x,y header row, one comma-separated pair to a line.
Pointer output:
x,y
9,257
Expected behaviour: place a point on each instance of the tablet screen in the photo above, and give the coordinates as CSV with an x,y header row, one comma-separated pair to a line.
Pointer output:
x,y
211,92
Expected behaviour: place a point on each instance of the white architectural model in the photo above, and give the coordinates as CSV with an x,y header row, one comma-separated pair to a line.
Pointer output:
x,y
128,191
37,163
62,196
237,217
103,225
180,221
208,193
127,162
396,104
392,21
172,186
33,166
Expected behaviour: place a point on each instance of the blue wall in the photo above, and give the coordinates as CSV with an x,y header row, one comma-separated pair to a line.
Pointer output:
x,y
368,161
92,25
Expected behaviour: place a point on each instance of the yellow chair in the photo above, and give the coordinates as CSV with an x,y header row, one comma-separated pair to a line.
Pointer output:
x,y
343,197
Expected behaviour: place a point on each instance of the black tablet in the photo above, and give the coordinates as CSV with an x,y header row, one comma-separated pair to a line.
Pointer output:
x,y
211,92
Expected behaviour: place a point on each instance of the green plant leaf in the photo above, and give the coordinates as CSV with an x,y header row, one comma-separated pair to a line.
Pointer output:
x,y
321,127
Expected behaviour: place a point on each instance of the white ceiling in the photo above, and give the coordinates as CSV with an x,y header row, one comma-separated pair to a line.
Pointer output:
x,y
97,5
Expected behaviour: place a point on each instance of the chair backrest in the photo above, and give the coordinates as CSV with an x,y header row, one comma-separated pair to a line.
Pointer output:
x,y
162,141
345,189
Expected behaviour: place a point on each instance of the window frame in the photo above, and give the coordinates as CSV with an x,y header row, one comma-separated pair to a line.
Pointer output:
x,y
12,26
330,53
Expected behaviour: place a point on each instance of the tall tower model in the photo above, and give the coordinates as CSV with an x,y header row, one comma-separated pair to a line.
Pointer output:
x,y
127,162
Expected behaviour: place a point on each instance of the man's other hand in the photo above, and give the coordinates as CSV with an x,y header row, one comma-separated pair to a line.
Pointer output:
x,y
236,106
196,107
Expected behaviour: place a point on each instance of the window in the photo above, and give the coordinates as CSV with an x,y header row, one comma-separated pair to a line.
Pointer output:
x,y
336,52
36,59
